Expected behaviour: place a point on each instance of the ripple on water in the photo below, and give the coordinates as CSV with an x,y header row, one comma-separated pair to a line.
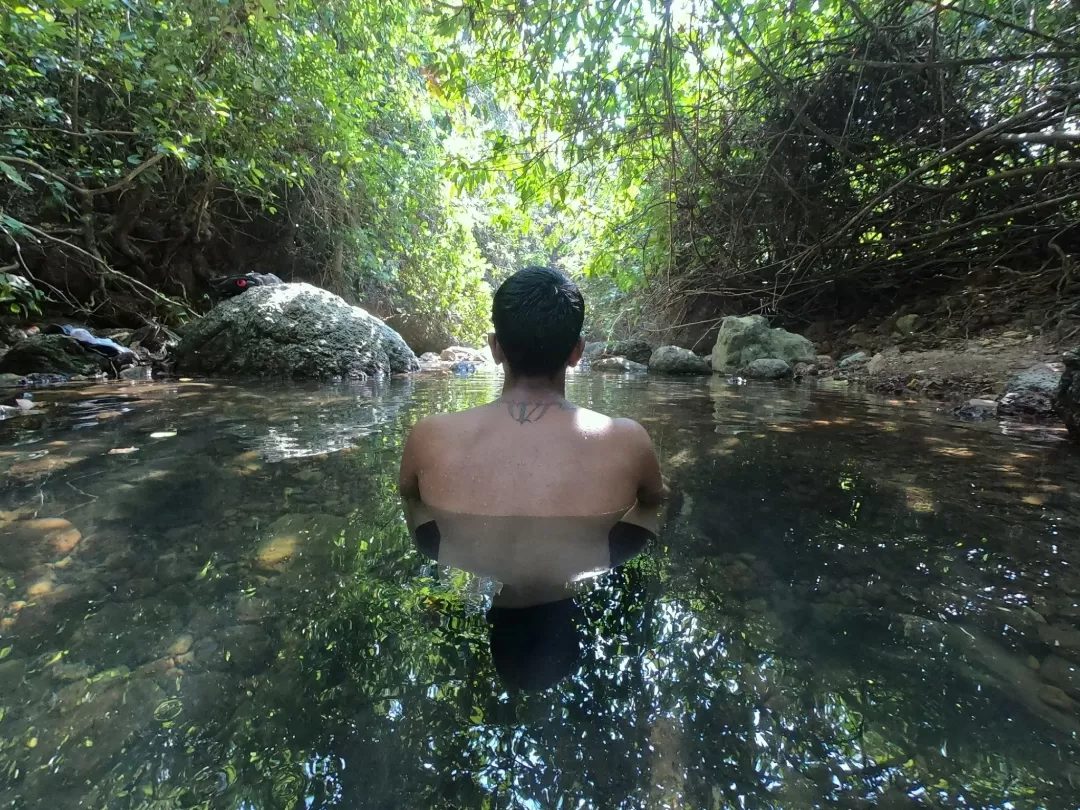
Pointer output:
x,y
208,598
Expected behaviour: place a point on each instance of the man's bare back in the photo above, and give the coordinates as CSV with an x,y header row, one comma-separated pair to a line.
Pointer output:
x,y
530,454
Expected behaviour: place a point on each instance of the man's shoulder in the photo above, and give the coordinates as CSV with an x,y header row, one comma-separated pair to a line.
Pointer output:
x,y
619,428
446,424
631,431
438,422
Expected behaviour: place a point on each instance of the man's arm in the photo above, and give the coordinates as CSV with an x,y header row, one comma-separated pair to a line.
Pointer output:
x,y
409,477
409,474
651,490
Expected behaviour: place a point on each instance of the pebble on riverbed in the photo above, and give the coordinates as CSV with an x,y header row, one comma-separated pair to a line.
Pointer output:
x,y
976,409
1063,638
1055,697
272,554
1064,674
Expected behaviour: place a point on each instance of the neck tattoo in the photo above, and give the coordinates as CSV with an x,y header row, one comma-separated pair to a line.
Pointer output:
x,y
525,411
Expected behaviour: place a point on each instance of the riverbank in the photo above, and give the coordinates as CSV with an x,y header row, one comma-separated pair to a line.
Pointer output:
x,y
955,370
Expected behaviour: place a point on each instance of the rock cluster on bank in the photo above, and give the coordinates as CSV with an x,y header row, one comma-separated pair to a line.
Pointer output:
x,y
745,346
62,353
281,331
741,341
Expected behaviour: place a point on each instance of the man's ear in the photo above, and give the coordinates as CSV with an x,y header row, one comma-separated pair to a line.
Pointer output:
x,y
575,355
496,350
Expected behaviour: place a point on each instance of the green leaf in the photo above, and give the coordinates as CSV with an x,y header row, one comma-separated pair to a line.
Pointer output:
x,y
14,225
14,176
4,653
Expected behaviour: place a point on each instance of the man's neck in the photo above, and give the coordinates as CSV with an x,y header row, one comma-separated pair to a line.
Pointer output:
x,y
534,389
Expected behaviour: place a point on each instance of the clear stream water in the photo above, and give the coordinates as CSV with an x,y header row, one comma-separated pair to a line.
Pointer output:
x,y
209,599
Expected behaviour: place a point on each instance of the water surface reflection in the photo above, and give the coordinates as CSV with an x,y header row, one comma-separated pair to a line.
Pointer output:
x,y
209,598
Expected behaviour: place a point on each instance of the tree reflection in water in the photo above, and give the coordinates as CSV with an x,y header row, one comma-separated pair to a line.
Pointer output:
x,y
835,618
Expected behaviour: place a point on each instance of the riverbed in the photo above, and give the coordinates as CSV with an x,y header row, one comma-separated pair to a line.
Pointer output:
x,y
209,599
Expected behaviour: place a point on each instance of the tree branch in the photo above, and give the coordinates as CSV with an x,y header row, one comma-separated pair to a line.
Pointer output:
x,y
779,82
108,269
1031,32
981,135
1004,58
1023,171
142,167
972,224
1040,137
42,170
80,190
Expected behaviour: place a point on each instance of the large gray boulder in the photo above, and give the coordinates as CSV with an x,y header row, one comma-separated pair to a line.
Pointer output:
x,y
1030,394
676,360
1067,395
741,341
292,330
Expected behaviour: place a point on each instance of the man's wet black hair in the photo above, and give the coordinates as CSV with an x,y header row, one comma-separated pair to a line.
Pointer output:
x,y
538,314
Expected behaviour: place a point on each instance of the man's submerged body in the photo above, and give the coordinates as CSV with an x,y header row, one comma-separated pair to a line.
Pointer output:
x,y
531,453
532,490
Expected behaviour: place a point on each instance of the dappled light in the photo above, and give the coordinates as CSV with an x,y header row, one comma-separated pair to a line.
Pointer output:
x,y
822,621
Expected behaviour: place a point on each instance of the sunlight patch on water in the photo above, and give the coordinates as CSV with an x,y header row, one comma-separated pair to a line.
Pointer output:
x,y
877,608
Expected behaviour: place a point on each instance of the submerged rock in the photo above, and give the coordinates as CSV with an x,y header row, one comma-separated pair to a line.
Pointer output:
x,y
976,409
1030,394
292,331
619,364
1055,697
12,673
51,354
246,648
1063,638
741,341
677,360
1064,674
181,644
1067,396
767,368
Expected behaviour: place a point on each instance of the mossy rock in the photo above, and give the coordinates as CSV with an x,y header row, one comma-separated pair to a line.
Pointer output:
x,y
50,354
741,341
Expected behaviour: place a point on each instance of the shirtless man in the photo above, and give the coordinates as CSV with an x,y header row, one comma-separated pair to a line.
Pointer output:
x,y
531,452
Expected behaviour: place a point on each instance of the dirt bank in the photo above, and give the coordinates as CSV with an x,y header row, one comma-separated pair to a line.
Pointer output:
x,y
955,370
